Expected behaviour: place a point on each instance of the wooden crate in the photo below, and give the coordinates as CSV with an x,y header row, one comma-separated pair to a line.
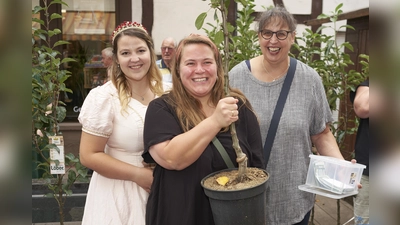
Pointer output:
x,y
94,76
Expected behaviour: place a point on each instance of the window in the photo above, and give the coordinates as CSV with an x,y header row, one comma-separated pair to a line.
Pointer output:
x,y
87,25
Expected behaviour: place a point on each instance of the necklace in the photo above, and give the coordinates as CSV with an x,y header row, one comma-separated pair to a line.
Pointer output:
x,y
141,96
274,79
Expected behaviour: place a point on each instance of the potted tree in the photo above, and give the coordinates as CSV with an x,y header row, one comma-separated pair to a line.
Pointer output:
x,y
48,81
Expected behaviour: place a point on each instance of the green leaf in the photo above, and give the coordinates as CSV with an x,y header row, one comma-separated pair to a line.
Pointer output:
x,y
61,2
49,195
348,46
69,156
37,20
347,26
55,16
71,175
57,31
338,7
68,192
61,113
320,28
200,20
51,33
219,37
66,60
36,9
41,36
60,43
322,16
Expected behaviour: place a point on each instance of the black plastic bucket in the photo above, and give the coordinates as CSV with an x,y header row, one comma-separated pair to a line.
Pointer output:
x,y
238,207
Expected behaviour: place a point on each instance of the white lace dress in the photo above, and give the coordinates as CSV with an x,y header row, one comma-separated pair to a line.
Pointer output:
x,y
111,201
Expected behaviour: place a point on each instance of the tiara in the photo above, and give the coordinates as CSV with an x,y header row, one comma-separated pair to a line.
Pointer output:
x,y
126,25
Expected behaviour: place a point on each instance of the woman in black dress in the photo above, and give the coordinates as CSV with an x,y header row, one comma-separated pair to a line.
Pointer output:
x,y
179,128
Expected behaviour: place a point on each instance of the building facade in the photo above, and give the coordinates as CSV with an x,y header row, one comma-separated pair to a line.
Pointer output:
x,y
88,24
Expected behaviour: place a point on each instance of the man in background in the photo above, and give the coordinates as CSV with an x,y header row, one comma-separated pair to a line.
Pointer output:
x,y
167,54
106,59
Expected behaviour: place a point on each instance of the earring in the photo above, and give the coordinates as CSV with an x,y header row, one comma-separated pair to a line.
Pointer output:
x,y
118,65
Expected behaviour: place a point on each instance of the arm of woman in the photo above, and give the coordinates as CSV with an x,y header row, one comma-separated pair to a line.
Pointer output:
x,y
361,102
326,144
184,149
92,155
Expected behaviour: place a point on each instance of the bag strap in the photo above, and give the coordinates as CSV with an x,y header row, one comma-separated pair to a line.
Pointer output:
x,y
276,117
223,152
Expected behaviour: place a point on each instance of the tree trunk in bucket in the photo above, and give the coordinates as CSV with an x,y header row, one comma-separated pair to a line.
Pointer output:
x,y
238,207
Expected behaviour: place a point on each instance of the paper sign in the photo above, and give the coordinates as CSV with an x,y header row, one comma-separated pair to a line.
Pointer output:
x,y
57,155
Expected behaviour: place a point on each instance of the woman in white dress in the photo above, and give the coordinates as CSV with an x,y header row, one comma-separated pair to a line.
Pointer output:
x,y
112,119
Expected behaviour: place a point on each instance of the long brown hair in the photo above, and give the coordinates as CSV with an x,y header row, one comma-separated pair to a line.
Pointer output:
x,y
188,108
118,77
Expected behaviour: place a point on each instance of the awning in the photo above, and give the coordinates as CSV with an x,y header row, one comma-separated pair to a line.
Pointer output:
x,y
88,25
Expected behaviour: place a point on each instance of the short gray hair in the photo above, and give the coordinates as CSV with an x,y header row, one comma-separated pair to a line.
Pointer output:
x,y
277,13
108,52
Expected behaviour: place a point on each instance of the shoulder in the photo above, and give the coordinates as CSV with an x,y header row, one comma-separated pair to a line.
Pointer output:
x,y
99,98
97,111
302,67
161,105
238,67
307,73
104,91
239,73
159,101
365,83
160,63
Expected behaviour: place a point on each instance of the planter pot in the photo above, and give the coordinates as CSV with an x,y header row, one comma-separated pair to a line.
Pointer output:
x,y
238,207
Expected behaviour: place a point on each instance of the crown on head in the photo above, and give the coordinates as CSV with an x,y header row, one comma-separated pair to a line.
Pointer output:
x,y
126,25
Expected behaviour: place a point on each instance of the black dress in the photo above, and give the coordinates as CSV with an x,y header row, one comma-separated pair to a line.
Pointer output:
x,y
176,197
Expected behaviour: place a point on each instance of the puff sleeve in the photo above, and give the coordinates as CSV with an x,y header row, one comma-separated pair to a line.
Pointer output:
x,y
97,112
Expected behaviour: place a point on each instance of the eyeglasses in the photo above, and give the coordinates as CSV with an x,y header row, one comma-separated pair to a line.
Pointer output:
x,y
165,48
280,34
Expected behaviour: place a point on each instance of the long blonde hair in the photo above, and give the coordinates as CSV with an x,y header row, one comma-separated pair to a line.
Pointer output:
x,y
118,77
188,108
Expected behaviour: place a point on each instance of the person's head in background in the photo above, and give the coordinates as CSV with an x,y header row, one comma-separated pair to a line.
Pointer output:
x,y
107,56
168,50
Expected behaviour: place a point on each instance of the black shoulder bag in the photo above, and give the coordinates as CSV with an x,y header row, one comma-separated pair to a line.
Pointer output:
x,y
276,117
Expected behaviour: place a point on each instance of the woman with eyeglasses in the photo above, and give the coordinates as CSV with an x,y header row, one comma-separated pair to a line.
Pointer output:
x,y
304,119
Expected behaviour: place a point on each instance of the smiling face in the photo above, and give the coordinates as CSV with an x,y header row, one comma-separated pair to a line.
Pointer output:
x,y
133,57
275,50
198,70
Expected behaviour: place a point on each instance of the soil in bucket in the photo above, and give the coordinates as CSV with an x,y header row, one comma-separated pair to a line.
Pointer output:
x,y
237,203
